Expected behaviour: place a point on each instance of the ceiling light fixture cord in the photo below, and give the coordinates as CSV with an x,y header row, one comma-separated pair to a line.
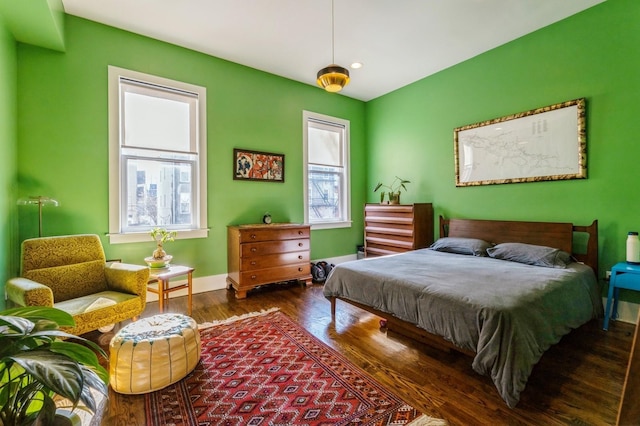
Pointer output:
x,y
333,35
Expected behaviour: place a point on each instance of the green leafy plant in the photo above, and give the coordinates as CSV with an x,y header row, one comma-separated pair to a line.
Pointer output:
x,y
161,236
394,189
36,364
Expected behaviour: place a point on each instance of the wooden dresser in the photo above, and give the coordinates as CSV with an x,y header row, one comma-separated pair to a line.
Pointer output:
x,y
396,228
266,254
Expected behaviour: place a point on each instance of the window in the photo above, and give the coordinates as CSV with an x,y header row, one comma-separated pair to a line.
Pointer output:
x,y
326,175
157,156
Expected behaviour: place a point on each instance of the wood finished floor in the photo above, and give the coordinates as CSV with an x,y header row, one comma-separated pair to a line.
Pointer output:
x,y
577,382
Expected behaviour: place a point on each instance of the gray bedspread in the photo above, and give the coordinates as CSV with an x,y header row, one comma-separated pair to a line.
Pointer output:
x,y
508,313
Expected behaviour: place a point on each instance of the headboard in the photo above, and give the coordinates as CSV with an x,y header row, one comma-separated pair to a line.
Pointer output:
x,y
550,234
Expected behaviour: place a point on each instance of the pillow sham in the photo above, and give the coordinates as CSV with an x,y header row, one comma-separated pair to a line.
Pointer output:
x,y
531,254
459,245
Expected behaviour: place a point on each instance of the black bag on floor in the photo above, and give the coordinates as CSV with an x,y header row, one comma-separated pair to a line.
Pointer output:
x,y
320,271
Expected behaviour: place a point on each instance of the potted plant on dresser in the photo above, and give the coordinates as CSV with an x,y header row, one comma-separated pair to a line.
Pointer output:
x,y
394,190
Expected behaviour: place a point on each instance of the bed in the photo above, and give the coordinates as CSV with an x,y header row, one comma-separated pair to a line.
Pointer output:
x,y
503,313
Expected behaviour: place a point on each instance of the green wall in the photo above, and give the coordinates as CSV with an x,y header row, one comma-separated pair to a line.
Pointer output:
x,y
594,55
8,143
63,134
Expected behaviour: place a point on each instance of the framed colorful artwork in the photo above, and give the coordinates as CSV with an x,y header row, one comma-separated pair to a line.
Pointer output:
x,y
258,165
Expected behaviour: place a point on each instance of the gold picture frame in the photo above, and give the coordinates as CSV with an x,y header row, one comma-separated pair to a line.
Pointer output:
x,y
541,144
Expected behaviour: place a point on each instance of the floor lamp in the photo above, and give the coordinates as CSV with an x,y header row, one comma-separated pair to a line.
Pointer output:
x,y
40,201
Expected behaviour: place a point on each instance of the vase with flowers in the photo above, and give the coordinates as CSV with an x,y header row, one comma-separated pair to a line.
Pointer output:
x,y
160,258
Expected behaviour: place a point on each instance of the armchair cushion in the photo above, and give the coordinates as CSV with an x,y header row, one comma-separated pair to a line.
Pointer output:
x,y
67,249
71,281
125,306
94,302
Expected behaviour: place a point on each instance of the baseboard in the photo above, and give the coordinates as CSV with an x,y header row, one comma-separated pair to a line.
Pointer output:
x,y
627,311
219,282
339,259
199,285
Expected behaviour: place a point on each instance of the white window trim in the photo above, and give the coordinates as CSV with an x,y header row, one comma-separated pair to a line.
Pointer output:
x,y
306,115
115,234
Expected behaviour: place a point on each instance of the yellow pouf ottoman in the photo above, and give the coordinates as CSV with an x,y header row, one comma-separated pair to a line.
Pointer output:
x,y
152,353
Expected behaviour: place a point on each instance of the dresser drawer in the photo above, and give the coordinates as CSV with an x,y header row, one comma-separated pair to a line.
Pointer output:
x,y
381,250
273,247
388,229
392,243
389,213
270,234
271,275
273,260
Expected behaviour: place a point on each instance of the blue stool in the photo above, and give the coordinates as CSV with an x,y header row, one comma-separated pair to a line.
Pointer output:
x,y
623,275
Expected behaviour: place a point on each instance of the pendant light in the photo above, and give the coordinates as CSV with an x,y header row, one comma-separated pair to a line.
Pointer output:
x,y
333,77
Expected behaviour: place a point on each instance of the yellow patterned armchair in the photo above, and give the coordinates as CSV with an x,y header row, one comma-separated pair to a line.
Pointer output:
x,y
71,274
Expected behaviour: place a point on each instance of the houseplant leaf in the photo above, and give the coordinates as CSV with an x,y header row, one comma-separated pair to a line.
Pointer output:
x,y
81,354
37,313
56,372
92,381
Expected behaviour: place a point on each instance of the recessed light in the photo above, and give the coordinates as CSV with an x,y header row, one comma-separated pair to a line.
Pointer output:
x,y
356,65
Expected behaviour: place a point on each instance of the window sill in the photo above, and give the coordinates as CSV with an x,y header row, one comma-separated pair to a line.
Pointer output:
x,y
139,237
330,225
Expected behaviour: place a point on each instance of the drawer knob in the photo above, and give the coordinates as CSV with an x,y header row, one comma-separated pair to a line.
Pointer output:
x,y
253,236
253,249
253,277
253,262
300,244
300,257
299,269
299,232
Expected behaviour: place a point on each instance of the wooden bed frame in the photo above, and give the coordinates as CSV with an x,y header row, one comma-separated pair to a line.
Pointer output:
x,y
550,234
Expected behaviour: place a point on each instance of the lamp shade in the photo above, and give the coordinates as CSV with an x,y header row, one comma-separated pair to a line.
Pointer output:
x,y
40,201
333,78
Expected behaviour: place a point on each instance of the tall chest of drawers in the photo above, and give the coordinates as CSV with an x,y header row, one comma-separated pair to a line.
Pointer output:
x,y
396,228
266,254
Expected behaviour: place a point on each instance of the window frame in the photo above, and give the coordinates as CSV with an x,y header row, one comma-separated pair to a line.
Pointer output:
x,y
117,160
308,116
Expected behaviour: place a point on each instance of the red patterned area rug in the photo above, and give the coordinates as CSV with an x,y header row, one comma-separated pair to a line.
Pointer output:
x,y
264,369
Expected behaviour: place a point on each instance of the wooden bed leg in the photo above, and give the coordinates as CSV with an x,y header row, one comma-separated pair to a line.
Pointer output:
x,y
333,307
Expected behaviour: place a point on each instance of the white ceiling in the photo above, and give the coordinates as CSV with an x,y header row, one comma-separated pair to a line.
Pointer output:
x,y
398,41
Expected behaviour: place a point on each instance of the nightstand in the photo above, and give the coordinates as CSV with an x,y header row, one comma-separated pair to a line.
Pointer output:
x,y
161,276
623,275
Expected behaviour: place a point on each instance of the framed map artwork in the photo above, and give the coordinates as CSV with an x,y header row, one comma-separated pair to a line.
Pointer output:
x,y
258,165
542,144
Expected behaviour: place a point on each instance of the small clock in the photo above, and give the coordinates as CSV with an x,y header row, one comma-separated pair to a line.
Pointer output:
x,y
266,219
